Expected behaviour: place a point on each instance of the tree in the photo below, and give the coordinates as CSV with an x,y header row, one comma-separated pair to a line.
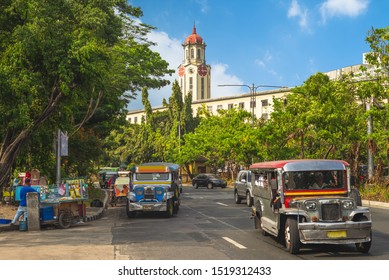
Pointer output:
x,y
65,64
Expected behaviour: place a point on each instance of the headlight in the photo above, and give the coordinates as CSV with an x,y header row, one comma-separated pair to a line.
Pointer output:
x,y
310,205
159,191
139,191
348,204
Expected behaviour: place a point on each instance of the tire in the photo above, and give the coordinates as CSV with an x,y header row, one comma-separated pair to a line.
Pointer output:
x,y
64,219
258,224
196,186
130,214
169,209
176,207
291,235
364,247
210,186
237,199
249,200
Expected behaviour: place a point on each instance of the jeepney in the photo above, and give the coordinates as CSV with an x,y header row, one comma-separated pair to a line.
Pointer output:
x,y
156,187
309,202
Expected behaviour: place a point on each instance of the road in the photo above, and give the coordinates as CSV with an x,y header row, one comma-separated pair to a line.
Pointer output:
x,y
209,226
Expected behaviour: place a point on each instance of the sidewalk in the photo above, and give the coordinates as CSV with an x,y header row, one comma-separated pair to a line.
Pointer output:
x,y
92,214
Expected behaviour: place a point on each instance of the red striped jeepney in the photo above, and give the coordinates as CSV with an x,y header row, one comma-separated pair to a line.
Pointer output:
x,y
309,202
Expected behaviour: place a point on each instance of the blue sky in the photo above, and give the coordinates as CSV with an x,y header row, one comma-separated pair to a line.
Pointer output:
x,y
262,42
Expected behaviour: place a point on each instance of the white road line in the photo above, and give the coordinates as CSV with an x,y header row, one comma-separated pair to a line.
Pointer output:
x,y
221,204
240,246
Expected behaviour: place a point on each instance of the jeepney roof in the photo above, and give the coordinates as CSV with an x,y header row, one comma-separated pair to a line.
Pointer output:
x,y
302,164
157,167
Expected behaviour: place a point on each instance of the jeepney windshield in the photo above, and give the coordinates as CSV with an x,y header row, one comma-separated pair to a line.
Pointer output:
x,y
152,176
314,180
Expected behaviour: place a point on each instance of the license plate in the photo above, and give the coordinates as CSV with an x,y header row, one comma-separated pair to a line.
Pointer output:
x,y
148,207
337,234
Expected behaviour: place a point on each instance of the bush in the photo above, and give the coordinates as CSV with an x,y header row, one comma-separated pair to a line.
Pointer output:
x,y
375,192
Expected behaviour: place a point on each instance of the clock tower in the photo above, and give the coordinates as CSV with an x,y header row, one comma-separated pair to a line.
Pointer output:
x,y
194,75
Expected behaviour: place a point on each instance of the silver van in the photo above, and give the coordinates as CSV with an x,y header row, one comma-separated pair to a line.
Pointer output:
x,y
243,188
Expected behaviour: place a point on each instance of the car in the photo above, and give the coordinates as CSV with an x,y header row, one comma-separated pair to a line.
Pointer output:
x,y
208,180
243,188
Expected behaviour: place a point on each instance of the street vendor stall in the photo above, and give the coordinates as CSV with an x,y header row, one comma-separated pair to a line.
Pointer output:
x,y
64,204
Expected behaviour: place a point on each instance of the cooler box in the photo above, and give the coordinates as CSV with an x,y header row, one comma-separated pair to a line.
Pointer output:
x,y
18,188
46,213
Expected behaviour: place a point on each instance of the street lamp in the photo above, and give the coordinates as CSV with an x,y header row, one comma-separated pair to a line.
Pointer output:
x,y
253,88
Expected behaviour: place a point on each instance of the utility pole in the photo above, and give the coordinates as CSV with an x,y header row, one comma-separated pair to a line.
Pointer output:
x,y
253,95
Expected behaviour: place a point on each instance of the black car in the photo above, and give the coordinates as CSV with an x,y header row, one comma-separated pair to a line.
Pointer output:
x,y
208,180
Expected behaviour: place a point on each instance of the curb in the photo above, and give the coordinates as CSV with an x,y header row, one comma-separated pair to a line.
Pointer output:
x,y
368,203
100,212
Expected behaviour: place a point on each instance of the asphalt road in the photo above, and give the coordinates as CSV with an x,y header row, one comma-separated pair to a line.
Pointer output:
x,y
209,226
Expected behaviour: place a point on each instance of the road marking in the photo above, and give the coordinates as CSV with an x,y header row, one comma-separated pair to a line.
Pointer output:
x,y
240,246
221,204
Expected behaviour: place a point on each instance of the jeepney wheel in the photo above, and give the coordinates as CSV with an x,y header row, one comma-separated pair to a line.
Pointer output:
x,y
291,234
169,207
210,186
176,207
196,186
249,200
130,214
364,247
238,200
64,219
258,224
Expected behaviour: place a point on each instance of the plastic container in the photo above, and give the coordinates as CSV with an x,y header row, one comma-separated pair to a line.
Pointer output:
x,y
5,221
23,226
46,213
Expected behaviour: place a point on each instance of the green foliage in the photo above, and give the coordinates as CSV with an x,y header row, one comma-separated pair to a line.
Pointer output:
x,y
69,64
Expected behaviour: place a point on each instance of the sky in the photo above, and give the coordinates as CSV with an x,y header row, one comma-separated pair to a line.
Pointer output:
x,y
262,42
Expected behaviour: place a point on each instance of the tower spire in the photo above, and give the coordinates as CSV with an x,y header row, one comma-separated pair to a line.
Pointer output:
x,y
194,28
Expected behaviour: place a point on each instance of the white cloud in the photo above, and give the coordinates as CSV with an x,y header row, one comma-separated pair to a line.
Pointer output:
x,y
295,10
220,77
349,8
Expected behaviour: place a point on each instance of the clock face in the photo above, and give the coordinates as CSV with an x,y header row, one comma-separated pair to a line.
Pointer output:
x,y
181,71
202,70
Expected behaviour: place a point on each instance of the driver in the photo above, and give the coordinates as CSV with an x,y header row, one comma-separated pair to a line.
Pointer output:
x,y
319,183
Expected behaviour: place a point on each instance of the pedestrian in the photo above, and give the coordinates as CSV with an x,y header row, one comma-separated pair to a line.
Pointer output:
x,y
22,209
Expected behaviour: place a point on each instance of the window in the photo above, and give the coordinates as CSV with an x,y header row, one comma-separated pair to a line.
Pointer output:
x,y
191,84
198,54
252,104
219,107
265,116
192,53
230,106
241,105
129,120
265,103
135,119
209,108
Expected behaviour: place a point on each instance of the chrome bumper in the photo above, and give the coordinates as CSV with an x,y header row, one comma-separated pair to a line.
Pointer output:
x,y
147,207
335,233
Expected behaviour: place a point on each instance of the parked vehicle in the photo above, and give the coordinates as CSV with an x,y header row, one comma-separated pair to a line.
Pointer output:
x,y
208,180
156,188
121,187
105,174
309,202
243,188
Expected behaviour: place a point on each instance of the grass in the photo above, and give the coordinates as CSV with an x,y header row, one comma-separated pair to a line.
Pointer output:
x,y
375,192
